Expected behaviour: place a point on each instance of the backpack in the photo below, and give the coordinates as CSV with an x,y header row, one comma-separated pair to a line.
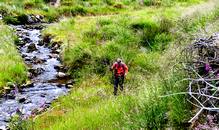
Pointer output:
x,y
117,65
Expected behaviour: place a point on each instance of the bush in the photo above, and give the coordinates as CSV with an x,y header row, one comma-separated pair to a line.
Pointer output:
x,y
16,20
78,10
4,11
10,20
29,5
152,2
22,19
51,15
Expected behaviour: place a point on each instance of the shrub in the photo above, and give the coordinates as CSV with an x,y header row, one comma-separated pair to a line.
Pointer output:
x,y
29,5
10,20
51,15
78,10
4,11
152,2
165,25
22,18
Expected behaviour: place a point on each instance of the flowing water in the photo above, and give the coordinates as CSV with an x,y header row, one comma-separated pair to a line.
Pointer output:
x,y
45,88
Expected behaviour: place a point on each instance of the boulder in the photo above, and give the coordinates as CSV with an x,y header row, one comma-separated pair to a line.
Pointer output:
x,y
31,48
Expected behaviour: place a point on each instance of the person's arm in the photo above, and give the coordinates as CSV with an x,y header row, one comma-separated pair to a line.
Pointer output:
x,y
113,67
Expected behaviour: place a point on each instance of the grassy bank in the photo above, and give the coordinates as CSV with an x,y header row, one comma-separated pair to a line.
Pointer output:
x,y
149,44
13,10
12,68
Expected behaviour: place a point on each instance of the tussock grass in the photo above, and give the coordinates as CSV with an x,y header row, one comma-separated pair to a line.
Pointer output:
x,y
12,68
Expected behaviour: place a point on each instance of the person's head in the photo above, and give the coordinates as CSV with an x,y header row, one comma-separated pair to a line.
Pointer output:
x,y
119,61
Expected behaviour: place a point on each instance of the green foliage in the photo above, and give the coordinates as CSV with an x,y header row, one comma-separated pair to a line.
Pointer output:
x,y
10,20
12,68
16,123
72,11
152,2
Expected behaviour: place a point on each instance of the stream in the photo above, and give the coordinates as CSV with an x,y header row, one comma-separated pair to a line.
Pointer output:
x,y
44,65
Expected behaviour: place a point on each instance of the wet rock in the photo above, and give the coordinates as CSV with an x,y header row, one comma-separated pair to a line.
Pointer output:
x,y
34,19
69,86
7,89
27,58
40,43
21,43
11,96
39,27
28,85
31,48
11,85
56,45
29,75
70,82
53,56
21,99
56,51
37,71
27,101
23,55
47,38
26,40
61,75
42,95
59,67
38,60
60,85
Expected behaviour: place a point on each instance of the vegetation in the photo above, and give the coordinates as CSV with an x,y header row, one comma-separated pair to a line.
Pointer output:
x,y
148,36
14,8
12,69
146,45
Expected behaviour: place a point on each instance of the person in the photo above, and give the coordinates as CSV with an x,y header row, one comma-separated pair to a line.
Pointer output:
x,y
120,71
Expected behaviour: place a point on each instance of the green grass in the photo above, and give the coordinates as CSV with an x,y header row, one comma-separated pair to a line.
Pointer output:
x,y
14,8
12,68
150,46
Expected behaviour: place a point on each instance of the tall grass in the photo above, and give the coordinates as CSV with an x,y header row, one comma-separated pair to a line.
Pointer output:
x,y
12,68
78,7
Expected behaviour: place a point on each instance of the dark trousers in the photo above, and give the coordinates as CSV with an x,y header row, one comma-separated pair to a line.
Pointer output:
x,y
118,81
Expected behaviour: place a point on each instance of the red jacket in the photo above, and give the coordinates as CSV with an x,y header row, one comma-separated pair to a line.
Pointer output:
x,y
120,69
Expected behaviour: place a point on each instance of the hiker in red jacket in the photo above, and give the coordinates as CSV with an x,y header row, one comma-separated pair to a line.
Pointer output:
x,y
120,71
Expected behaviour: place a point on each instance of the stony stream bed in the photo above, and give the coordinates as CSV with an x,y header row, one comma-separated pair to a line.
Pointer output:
x,y
47,78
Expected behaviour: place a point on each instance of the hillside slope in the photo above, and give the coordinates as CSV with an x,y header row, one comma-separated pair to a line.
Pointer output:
x,y
150,41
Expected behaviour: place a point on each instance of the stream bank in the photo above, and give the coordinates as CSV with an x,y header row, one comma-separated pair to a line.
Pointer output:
x,y
48,79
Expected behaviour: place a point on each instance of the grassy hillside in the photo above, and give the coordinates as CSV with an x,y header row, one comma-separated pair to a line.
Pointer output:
x,y
13,8
12,69
150,41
